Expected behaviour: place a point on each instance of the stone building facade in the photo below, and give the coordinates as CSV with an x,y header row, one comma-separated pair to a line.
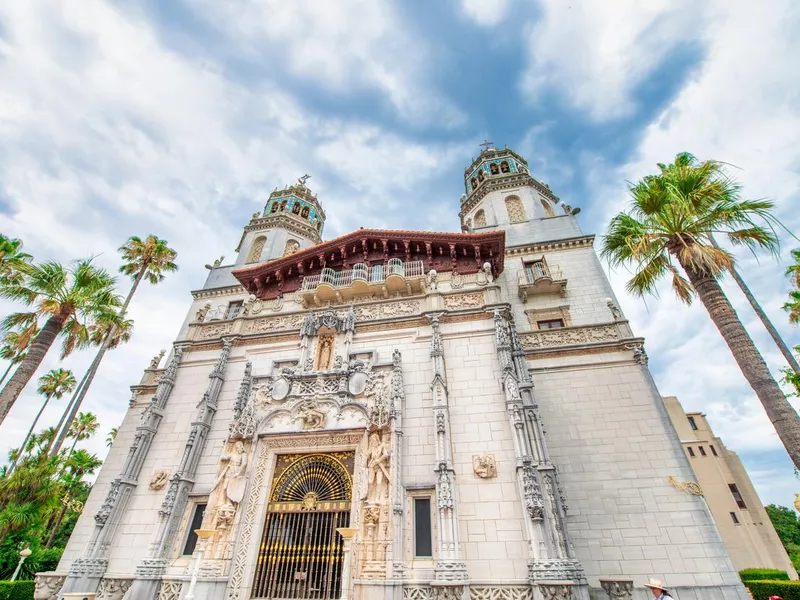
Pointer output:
x,y
738,512
401,415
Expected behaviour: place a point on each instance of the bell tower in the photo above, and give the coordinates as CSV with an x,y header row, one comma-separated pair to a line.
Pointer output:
x,y
292,220
500,193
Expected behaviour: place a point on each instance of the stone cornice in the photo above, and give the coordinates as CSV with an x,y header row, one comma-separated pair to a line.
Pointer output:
x,y
218,292
502,182
616,335
586,241
293,223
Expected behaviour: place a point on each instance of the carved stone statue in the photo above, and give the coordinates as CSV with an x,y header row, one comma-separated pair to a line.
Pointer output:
x,y
312,417
157,360
231,478
433,280
202,312
615,312
159,479
378,468
325,353
484,466
487,270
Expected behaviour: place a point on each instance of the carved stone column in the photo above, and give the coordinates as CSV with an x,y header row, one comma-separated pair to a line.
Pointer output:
x,y
86,572
449,568
618,589
397,397
552,556
151,569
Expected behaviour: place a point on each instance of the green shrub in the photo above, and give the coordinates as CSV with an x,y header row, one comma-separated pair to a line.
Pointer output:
x,y
763,575
762,590
46,559
17,590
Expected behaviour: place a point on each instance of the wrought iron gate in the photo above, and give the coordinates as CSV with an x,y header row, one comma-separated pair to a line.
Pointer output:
x,y
301,554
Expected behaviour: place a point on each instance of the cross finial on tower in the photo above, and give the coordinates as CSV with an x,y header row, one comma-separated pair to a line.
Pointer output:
x,y
303,179
486,145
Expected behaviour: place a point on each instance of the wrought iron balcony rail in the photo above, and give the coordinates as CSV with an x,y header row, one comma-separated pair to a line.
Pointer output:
x,y
376,274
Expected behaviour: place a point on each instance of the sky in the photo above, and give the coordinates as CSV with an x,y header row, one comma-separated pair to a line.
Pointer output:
x,y
122,118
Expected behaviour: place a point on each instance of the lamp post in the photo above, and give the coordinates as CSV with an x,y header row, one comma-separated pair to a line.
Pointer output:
x,y
23,554
347,533
203,535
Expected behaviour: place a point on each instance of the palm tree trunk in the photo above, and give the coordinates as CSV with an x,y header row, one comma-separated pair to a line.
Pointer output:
x,y
780,412
28,367
55,527
80,394
776,337
63,423
7,370
28,436
72,449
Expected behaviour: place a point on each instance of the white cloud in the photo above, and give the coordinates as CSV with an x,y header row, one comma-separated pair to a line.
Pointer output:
x,y
487,13
737,108
596,53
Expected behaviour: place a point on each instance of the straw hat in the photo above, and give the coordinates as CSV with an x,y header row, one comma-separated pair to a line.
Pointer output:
x,y
656,584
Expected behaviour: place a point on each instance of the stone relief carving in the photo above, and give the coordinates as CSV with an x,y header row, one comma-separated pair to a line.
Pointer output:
x,y
555,569
568,337
387,310
417,593
113,589
208,332
47,586
456,280
377,464
170,590
265,324
618,589
556,591
159,479
447,592
461,301
500,593
324,352
484,466
232,477
312,416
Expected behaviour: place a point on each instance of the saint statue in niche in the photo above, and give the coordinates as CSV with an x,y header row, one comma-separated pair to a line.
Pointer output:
x,y
232,478
378,468
325,353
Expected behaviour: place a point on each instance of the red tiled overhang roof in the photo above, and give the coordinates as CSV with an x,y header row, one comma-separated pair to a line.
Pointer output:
x,y
463,252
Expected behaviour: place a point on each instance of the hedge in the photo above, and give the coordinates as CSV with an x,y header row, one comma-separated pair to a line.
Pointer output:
x,y
16,590
762,590
764,575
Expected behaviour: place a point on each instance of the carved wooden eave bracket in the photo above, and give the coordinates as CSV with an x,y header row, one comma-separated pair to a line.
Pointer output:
x,y
463,253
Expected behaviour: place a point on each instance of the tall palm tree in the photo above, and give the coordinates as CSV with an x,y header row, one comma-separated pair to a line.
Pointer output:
x,y
672,217
82,428
112,435
147,259
13,260
53,384
16,341
78,465
70,299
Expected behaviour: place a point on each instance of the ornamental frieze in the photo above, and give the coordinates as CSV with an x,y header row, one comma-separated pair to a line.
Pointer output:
x,y
462,301
265,324
569,336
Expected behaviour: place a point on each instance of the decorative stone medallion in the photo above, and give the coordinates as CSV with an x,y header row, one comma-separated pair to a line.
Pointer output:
x,y
280,389
159,479
484,466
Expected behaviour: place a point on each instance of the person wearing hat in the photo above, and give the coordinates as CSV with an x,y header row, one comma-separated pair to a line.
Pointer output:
x,y
658,589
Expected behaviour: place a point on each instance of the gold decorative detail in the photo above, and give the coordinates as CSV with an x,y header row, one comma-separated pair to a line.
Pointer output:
x,y
690,487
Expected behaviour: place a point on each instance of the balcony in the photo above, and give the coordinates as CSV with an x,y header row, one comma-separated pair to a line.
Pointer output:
x,y
538,279
393,276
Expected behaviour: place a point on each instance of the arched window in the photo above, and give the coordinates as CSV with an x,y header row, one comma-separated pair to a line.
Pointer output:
x,y
305,212
274,207
474,182
291,247
480,219
548,210
494,169
504,168
256,249
516,213
480,175
296,208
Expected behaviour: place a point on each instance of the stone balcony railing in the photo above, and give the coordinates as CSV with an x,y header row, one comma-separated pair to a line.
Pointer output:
x,y
616,332
540,278
394,276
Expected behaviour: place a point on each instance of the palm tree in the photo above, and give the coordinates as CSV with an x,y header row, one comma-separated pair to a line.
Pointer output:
x,y
16,342
12,260
79,464
70,298
793,307
82,428
794,270
144,259
672,218
53,384
112,435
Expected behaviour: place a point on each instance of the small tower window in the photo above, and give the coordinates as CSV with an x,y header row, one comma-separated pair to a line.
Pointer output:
x,y
283,205
516,213
480,175
494,169
291,247
504,168
548,210
274,207
304,212
480,219
256,249
296,208
234,308
474,182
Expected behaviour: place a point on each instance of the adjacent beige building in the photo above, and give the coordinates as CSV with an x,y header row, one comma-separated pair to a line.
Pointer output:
x,y
740,516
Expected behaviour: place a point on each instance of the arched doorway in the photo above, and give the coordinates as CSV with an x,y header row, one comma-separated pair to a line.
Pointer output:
x,y
301,554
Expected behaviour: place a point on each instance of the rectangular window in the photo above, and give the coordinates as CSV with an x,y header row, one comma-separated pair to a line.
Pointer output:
x,y
702,450
713,450
692,424
535,270
550,324
691,452
423,535
737,496
196,523
234,308
734,518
